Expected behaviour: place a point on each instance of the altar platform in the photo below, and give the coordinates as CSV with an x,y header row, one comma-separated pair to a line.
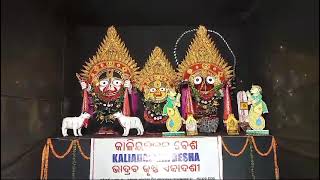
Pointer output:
x,y
243,157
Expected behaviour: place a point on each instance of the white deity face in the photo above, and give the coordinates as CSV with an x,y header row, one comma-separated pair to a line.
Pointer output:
x,y
110,86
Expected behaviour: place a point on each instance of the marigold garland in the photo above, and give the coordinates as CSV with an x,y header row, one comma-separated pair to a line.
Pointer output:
x,y
81,151
56,154
44,163
273,147
236,154
259,152
46,151
275,159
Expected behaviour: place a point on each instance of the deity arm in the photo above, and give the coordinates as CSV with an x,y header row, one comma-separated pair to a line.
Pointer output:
x,y
87,102
177,100
127,84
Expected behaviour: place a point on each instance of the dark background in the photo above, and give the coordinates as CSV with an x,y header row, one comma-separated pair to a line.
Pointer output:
x,y
44,43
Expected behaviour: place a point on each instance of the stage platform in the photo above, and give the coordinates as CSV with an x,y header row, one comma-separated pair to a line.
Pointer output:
x,y
243,157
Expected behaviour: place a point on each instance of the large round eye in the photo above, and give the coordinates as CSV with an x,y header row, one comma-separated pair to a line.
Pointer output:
x,y
117,82
210,80
152,90
104,83
162,89
197,80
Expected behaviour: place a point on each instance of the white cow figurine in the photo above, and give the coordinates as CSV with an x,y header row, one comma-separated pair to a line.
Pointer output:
x,y
75,123
129,123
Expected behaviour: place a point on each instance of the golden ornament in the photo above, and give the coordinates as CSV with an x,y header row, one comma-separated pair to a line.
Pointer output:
x,y
203,55
111,55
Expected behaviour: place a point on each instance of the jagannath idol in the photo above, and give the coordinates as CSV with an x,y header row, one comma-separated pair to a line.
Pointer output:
x,y
207,75
155,80
106,81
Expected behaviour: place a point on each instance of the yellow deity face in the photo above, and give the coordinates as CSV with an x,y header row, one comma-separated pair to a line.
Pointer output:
x,y
156,91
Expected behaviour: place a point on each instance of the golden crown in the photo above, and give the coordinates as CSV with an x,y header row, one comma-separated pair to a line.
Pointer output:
x,y
203,55
157,67
111,54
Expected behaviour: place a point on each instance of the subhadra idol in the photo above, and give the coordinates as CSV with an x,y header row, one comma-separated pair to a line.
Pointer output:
x,y
106,83
155,80
206,74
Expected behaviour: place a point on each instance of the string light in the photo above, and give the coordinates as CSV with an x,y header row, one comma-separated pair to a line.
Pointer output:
x,y
74,161
212,31
252,161
273,147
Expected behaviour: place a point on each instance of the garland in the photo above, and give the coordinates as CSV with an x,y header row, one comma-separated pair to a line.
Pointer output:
x,y
235,154
154,107
103,110
46,152
273,146
197,97
81,151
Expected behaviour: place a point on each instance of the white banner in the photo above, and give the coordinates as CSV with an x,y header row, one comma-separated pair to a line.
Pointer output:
x,y
163,158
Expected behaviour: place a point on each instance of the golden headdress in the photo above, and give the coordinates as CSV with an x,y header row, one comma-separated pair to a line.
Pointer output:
x,y
157,67
203,55
112,54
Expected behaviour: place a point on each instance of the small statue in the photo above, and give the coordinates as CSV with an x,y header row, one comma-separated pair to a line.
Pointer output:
x,y
75,123
170,109
232,125
129,123
258,107
243,110
191,126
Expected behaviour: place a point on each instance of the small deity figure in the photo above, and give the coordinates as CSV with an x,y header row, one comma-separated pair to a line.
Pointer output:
x,y
154,80
258,107
191,126
232,125
174,122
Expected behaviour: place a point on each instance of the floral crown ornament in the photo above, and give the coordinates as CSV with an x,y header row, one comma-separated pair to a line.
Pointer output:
x,y
112,57
203,57
157,68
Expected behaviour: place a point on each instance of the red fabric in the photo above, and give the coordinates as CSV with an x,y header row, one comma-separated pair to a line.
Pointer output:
x,y
85,123
85,103
189,103
126,104
226,103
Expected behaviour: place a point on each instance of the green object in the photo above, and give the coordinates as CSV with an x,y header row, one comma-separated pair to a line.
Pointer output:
x,y
169,104
257,132
258,100
179,133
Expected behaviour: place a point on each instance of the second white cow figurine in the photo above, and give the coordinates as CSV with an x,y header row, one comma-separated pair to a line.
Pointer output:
x,y
128,123
75,123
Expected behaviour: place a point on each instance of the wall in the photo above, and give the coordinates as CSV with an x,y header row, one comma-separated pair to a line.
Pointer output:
x,y
32,41
285,61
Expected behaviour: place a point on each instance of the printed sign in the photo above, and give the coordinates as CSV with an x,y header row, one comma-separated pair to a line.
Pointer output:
x,y
165,158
